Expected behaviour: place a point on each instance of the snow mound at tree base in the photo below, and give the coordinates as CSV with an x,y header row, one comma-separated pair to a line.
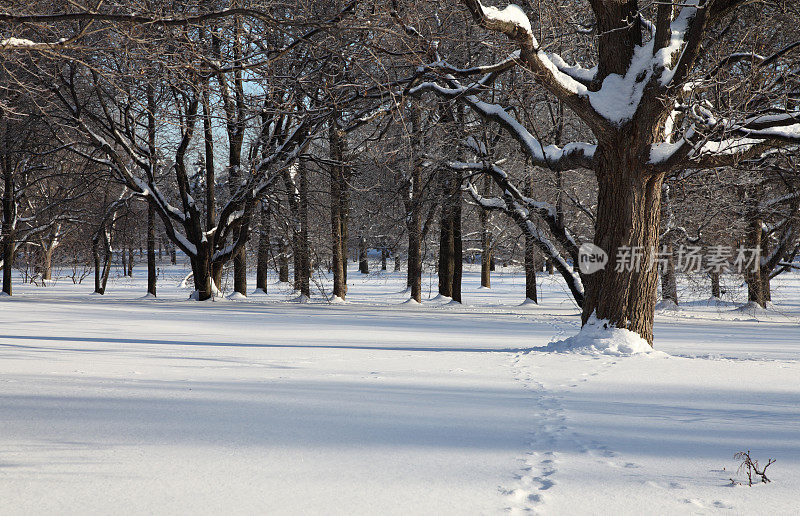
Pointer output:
x,y
667,305
597,337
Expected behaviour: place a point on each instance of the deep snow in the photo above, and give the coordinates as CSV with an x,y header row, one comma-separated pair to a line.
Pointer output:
x,y
130,405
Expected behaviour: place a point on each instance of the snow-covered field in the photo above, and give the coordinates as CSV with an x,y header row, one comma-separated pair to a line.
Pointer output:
x,y
123,405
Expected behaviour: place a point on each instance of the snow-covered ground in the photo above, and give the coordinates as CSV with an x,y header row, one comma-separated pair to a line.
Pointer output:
x,y
118,404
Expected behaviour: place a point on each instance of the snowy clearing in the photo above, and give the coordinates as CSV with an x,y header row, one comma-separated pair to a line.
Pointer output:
x,y
122,404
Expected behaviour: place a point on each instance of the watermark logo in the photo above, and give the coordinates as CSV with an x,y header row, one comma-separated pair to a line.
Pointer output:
x,y
591,258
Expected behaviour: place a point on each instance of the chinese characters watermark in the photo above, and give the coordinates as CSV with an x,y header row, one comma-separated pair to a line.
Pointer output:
x,y
689,259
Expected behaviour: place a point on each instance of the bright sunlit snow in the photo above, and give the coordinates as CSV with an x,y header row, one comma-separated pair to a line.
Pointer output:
x,y
128,405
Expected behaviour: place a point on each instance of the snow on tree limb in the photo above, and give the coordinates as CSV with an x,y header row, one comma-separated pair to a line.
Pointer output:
x,y
571,156
513,22
521,209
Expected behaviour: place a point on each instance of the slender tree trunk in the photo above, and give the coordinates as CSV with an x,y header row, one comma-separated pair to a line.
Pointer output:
x,y
344,212
445,244
458,247
9,223
47,262
151,250
130,261
384,255
262,265
755,282
240,271
216,273
530,270
530,254
669,284
173,254
715,290
764,272
628,217
304,250
283,262
363,261
486,240
101,280
96,257
338,252
414,218
8,262
124,257
151,212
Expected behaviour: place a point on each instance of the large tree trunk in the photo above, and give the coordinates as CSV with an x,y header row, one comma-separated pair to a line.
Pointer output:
x,y
203,273
628,217
151,250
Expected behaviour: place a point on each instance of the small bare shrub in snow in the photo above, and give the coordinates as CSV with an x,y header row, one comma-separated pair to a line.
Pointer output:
x,y
750,466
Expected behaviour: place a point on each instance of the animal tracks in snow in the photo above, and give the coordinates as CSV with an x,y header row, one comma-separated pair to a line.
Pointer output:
x,y
540,462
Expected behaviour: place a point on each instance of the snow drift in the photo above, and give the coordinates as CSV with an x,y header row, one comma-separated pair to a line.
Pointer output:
x,y
597,337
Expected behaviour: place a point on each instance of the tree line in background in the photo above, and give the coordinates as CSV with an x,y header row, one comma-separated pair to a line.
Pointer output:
x,y
296,135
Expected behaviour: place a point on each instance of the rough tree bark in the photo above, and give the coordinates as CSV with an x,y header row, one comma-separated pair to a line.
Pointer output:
x,y
628,217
